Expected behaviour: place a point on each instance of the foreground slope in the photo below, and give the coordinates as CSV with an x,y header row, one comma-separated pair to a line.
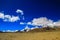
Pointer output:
x,y
54,35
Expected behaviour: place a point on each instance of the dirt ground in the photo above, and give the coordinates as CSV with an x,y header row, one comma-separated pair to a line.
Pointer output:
x,y
31,36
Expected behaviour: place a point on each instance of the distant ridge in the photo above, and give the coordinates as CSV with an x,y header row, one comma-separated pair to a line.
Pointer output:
x,y
45,29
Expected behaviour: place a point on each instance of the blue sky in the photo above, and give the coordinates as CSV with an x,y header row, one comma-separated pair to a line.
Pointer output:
x,y
31,8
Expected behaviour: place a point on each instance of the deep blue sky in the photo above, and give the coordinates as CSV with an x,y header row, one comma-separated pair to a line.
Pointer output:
x,y
32,9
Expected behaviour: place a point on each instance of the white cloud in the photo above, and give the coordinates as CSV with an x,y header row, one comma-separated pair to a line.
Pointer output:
x,y
19,11
14,18
57,23
22,23
26,29
9,30
32,28
42,21
1,15
29,23
9,18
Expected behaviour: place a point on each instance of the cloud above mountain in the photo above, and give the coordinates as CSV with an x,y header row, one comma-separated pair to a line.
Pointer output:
x,y
8,18
57,23
42,21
